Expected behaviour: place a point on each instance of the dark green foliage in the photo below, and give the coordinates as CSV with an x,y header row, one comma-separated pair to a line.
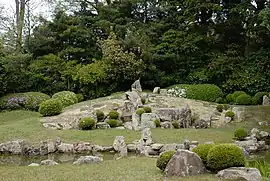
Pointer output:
x,y
230,114
226,106
113,123
240,134
176,124
100,115
219,108
243,99
225,156
204,92
143,99
50,107
157,123
258,98
202,150
164,159
80,97
87,123
113,114
229,98
66,97
147,109
236,94
219,100
140,111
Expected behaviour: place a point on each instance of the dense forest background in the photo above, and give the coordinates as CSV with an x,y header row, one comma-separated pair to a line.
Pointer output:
x,y
99,47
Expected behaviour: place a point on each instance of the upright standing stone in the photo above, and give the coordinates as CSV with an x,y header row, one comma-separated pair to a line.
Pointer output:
x,y
156,90
136,86
146,137
120,146
266,100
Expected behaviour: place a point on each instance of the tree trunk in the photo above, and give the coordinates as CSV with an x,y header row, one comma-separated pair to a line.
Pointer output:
x,y
20,12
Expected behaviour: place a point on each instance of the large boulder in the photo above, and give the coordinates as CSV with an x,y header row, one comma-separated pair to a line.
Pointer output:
x,y
147,120
82,147
48,162
266,100
136,86
47,147
184,163
87,160
172,146
240,173
120,146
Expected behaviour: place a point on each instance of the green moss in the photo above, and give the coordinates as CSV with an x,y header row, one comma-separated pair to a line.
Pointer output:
x,y
164,159
50,107
147,109
157,123
100,115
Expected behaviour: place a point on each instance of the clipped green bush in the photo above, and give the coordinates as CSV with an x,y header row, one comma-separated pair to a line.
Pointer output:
x,y
202,150
100,115
176,124
225,156
243,99
230,114
236,94
258,98
229,98
164,159
147,109
140,111
204,92
67,98
114,115
240,134
113,123
50,107
157,123
226,107
143,99
219,108
80,97
87,123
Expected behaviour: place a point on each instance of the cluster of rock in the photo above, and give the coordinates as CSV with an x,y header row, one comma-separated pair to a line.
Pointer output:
x,y
256,142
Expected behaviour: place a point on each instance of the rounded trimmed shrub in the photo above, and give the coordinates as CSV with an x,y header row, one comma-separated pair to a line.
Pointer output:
x,y
87,123
202,150
230,114
243,99
157,123
113,123
176,124
164,159
140,111
219,108
143,99
225,156
114,115
100,115
258,98
80,97
240,134
229,98
236,94
50,107
67,98
147,109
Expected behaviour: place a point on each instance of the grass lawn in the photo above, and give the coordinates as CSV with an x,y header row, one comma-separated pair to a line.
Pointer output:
x,y
129,169
26,125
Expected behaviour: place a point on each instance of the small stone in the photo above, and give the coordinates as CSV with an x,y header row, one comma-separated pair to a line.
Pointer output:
x,y
33,165
235,173
194,143
166,125
157,146
88,160
48,162
120,127
103,125
82,147
156,90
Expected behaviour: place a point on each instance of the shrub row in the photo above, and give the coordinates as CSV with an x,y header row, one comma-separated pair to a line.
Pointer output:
x,y
241,98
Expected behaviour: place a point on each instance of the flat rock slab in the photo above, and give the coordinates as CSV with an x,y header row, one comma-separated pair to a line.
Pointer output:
x,y
234,173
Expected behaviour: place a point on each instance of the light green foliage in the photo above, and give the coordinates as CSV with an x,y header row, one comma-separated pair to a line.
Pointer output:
x,y
236,94
113,123
140,111
50,107
229,98
87,123
243,99
114,114
258,98
147,109
157,123
176,124
202,150
219,108
164,159
66,97
226,106
225,156
204,92
240,134
230,114
80,97
100,115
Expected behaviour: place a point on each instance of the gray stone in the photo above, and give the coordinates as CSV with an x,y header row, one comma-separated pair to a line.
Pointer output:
x,y
237,173
252,146
239,114
33,165
136,122
13,147
128,125
186,144
48,162
166,125
131,147
88,160
194,143
157,146
82,147
163,92
263,123
54,126
65,148
156,90
47,147
120,146
136,86
201,124
135,98
120,127
128,108
146,137
227,119
266,100
97,148
260,135
127,117
103,125
172,146
147,120
184,163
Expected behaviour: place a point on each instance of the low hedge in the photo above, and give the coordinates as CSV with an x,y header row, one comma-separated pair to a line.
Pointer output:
x,y
236,94
202,150
26,101
67,98
243,99
204,92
